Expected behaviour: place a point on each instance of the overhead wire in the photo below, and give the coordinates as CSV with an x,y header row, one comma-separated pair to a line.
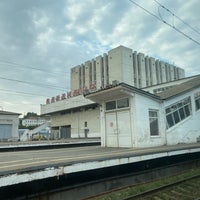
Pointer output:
x,y
9,63
33,83
162,20
173,14
33,68
12,92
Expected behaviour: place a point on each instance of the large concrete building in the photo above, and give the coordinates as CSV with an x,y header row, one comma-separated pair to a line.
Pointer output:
x,y
74,116
121,64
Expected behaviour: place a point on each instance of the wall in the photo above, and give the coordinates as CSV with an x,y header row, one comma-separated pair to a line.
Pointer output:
x,y
187,130
124,65
11,120
75,77
77,120
141,120
72,102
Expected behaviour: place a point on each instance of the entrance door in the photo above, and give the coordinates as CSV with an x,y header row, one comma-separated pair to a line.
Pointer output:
x,y
5,131
118,129
124,129
111,130
65,132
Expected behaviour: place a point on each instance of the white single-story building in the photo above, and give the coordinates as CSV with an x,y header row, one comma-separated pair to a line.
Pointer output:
x,y
131,117
9,122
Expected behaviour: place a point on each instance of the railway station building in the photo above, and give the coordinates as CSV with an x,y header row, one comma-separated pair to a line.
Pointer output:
x,y
74,116
132,117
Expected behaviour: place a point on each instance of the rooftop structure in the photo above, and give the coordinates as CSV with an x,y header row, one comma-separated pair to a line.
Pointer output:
x,y
121,64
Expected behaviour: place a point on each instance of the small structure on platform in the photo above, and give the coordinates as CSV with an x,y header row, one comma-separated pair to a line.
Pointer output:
x,y
9,122
131,117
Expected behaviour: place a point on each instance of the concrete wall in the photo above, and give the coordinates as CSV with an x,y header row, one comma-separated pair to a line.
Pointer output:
x,y
99,66
141,120
77,122
87,73
57,106
188,130
115,65
124,65
75,77
139,123
141,70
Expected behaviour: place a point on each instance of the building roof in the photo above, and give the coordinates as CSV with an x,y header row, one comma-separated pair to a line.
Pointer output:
x,y
174,82
117,90
8,113
180,89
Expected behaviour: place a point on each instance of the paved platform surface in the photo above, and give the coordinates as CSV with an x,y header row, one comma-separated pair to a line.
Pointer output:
x,y
25,161
47,142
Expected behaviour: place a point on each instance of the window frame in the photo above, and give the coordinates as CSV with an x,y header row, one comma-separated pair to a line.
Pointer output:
x,y
116,104
178,112
157,122
197,101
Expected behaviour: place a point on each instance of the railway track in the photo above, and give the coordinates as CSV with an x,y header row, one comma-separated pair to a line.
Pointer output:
x,y
96,185
184,185
188,188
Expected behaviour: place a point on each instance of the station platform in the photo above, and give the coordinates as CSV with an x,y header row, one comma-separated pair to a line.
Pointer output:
x,y
26,166
48,144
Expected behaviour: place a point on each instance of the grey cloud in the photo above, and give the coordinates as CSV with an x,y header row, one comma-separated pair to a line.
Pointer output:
x,y
43,35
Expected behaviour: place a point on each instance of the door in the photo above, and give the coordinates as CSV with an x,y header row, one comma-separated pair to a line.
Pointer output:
x,y
124,129
65,132
111,130
118,129
5,131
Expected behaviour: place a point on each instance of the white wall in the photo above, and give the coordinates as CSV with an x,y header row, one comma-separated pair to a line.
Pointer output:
x,y
77,120
75,78
72,102
187,130
120,61
141,121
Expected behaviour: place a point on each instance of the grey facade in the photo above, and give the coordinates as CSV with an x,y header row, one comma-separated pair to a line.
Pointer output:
x,y
121,64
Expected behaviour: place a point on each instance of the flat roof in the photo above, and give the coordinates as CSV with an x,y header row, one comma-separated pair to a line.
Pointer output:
x,y
121,89
180,89
117,91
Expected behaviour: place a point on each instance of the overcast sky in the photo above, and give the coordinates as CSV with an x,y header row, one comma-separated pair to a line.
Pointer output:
x,y
40,40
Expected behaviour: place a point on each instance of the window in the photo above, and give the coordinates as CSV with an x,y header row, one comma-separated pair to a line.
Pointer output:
x,y
197,100
153,122
111,105
123,103
118,104
178,112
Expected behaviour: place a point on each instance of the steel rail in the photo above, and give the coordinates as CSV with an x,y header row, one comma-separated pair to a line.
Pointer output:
x,y
163,187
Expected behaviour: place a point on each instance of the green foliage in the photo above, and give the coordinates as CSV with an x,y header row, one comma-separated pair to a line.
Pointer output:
x,y
30,114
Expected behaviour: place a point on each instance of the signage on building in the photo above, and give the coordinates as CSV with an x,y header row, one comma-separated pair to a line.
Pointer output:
x,y
70,94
